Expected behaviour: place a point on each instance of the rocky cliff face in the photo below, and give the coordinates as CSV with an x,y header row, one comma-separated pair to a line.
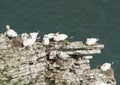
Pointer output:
x,y
60,63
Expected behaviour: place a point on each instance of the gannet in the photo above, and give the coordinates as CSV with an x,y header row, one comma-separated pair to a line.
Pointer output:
x,y
63,55
24,36
56,37
31,40
50,35
103,83
105,66
10,32
60,37
91,41
46,40
34,35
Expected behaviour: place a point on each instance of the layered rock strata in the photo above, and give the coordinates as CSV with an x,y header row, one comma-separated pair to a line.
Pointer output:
x,y
43,65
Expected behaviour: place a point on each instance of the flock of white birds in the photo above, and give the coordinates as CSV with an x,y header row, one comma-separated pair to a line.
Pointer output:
x,y
29,40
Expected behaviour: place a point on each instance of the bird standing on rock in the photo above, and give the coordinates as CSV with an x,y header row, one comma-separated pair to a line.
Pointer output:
x,y
24,36
60,37
50,35
46,40
63,55
91,41
34,35
105,67
31,40
10,32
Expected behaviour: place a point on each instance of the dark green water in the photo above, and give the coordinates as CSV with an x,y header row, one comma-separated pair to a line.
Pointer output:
x,y
78,18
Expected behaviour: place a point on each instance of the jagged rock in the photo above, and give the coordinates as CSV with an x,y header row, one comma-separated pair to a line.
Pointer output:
x,y
39,64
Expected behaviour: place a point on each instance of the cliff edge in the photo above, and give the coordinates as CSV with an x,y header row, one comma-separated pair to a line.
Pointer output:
x,y
60,63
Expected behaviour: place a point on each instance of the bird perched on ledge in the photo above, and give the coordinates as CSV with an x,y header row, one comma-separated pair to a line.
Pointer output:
x,y
10,32
24,36
91,41
31,40
46,40
50,36
63,55
60,37
105,66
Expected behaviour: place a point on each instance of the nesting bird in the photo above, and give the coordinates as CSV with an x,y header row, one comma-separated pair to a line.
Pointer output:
x,y
24,36
105,66
31,40
56,37
63,55
91,41
10,32
34,35
46,40
60,37
103,84
50,35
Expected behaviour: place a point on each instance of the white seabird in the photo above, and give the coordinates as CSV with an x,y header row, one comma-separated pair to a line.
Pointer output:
x,y
31,40
105,66
91,41
60,37
103,83
63,55
56,37
50,35
10,32
24,36
34,35
46,40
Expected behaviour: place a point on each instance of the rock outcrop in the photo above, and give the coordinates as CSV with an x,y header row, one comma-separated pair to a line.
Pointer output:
x,y
43,65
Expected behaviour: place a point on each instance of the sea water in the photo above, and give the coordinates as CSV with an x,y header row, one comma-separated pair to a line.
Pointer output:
x,y
78,18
